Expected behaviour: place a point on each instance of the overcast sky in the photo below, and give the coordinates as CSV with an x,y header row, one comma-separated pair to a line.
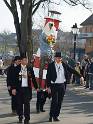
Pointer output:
x,y
69,16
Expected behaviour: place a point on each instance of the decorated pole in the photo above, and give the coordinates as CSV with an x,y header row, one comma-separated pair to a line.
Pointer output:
x,y
51,28
47,40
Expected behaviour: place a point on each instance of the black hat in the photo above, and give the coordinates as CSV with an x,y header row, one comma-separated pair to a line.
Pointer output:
x,y
58,54
17,58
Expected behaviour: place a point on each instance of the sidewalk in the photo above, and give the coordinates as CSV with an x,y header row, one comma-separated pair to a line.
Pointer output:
x,y
81,90
75,109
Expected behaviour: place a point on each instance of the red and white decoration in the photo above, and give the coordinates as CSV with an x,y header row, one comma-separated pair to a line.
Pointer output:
x,y
50,29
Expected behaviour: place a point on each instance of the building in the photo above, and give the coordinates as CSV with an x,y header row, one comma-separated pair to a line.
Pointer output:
x,y
86,32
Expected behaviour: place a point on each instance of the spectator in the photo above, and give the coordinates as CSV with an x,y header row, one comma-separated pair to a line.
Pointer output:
x,y
78,69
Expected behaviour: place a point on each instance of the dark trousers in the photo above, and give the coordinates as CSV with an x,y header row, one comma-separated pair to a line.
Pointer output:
x,y
91,82
14,103
41,99
23,101
77,80
58,91
87,81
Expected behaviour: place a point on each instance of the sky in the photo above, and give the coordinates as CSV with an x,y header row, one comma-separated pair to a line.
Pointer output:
x,y
69,16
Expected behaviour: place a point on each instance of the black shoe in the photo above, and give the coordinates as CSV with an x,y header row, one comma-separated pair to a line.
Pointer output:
x,y
14,112
38,111
56,119
26,122
20,119
50,119
42,110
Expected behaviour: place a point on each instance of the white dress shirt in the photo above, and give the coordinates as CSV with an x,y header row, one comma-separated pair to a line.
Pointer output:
x,y
24,76
60,73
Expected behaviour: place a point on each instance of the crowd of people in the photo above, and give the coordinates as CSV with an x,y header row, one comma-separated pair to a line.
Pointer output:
x,y
20,76
85,69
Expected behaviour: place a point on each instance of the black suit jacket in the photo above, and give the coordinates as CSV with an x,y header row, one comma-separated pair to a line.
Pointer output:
x,y
52,75
10,71
16,84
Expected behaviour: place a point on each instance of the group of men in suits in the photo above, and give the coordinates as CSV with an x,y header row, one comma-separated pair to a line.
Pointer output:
x,y
19,76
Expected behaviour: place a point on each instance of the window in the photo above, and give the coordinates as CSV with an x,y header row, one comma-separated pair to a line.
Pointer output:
x,y
90,43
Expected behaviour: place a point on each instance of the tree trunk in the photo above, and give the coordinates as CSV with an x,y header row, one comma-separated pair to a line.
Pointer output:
x,y
26,30
23,33
29,34
18,32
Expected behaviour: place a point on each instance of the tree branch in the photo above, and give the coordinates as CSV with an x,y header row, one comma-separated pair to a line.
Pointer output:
x,y
13,4
70,2
33,1
20,4
39,2
16,20
55,3
36,6
77,2
84,5
35,9
8,5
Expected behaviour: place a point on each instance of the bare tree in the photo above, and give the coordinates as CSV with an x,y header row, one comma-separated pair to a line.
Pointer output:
x,y
5,36
24,27
8,43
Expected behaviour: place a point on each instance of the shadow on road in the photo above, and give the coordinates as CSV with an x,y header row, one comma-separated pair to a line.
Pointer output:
x,y
39,122
78,103
7,115
11,115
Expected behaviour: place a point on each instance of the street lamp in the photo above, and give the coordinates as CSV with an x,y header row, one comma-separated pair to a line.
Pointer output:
x,y
75,32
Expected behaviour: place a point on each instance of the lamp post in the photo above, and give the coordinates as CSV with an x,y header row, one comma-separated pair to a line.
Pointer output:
x,y
75,32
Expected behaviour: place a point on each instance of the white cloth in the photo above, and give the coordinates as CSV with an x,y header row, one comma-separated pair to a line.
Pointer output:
x,y
15,65
60,73
1,63
24,76
44,74
36,72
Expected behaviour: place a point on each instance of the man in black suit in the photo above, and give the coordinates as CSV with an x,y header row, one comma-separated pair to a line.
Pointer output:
x,y
22,88
10,79
57,77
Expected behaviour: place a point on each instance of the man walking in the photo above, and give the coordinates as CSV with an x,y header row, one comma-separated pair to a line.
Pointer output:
x,y
10,79
22,88
57,77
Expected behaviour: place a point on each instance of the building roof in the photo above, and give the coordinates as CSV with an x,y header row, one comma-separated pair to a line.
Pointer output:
x,y
88,21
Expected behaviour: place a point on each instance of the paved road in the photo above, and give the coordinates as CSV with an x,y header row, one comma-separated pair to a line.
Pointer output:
x,y
77,108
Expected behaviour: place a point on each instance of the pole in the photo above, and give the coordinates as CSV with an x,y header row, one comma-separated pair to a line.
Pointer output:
x,y
74,46
48,6
74,50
